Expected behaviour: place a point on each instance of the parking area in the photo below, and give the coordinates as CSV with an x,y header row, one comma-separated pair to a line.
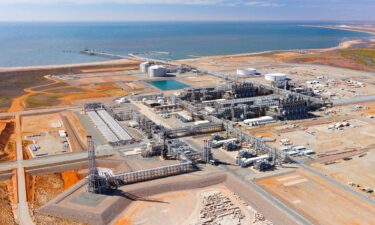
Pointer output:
x,y
45,135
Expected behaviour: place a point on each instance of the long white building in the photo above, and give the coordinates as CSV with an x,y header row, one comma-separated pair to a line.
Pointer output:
x,y
121,134
102,127
112,131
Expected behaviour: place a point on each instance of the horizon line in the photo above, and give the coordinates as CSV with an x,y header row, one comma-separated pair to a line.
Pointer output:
x,y
123,21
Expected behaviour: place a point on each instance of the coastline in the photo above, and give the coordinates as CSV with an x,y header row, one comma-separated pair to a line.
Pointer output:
x,y
335,27
66,66
341,45
120,62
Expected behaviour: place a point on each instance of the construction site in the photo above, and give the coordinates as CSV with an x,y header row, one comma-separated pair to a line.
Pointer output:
x,y
194,142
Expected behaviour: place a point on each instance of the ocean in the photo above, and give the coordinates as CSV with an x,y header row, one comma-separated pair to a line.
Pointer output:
x,y
32,44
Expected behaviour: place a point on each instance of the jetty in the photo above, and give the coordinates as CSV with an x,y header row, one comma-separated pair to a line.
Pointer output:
x,y
130,56
104,54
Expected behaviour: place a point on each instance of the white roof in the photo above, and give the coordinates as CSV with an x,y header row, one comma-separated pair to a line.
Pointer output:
x,y
156,67
276,74
260,119
184,114
133,123
248,69
114,126
102,127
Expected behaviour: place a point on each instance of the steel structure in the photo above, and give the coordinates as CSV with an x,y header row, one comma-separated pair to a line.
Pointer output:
x,y
193,130
155,173
177,149
93,106
292,107
313,102
206,156
247,100
258,144
96,184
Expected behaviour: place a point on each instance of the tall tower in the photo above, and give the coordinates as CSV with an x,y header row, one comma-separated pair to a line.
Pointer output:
x,y
206,151
94,181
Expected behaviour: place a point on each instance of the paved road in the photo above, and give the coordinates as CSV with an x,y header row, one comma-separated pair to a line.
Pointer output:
x,y
352,101
36,111
23,208
47,161
288,211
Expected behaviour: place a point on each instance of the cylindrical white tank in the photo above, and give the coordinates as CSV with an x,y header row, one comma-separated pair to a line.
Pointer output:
x,y
246,72
150,146
275,76
157,71
143,67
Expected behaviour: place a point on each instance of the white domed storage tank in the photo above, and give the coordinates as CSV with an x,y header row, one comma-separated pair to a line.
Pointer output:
x,y
275,76
246,72
143,67
157,71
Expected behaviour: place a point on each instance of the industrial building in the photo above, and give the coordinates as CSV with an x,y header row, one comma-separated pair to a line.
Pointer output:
x,y
184,117
143,67
259,121
241,101
292,107
157,71
247,72
223,103
146,96
234,91
111,130
275,77
114,126
102,127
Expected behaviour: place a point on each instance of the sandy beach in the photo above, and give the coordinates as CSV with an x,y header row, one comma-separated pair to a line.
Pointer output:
x,y
357,28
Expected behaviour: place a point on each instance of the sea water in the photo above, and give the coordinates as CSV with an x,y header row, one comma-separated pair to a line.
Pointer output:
x,y
31,44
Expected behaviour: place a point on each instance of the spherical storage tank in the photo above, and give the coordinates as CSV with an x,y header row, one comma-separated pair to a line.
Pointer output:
x,y
275,76
157,71
247,72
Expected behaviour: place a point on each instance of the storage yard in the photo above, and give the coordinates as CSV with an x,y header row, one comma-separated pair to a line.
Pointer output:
x,y
46,135
356,171
205,206
327,139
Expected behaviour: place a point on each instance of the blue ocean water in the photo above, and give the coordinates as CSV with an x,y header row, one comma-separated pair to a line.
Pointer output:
x,y
30,44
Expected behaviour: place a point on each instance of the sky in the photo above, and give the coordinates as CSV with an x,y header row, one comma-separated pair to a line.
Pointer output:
x,y
187,10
